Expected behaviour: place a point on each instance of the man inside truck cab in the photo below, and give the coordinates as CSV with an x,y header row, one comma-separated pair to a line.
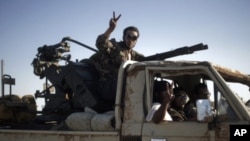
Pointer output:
x,y
162,97
177,105
168,103
201,92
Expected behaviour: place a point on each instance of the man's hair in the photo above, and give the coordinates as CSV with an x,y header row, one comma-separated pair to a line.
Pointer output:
x,y
177,90
160,86
198,87
132,28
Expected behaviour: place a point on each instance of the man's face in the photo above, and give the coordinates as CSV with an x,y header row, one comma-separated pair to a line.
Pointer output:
x,y
130,38
203,93
181,99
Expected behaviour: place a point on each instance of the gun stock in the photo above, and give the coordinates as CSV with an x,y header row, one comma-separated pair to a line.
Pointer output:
x,y
179,51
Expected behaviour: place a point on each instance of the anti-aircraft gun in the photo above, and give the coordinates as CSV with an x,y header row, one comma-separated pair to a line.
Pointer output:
x,y
75,82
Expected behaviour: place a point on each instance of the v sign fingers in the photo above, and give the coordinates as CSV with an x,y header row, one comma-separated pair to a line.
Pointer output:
x,y
113,21
116,18
169,88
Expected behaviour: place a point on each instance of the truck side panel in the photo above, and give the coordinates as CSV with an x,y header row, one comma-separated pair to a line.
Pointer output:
x,y
188,131
27,135
133,112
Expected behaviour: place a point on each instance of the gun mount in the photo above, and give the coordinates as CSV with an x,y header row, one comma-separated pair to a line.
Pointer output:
x,y
73,82
52,54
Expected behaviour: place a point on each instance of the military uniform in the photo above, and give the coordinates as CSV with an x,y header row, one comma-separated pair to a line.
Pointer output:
x,y
111,55
107,61
177,115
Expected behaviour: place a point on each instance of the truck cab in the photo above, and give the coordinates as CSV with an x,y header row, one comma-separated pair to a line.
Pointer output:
x,y
228,108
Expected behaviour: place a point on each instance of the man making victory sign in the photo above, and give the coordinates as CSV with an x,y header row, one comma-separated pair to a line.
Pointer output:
x,y
111,55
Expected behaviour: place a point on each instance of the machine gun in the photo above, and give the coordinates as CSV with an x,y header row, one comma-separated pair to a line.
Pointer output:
x,y
179,51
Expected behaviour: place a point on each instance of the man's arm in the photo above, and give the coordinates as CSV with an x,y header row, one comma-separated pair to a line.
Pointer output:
x,y
112,25
160,113
102,40
168,98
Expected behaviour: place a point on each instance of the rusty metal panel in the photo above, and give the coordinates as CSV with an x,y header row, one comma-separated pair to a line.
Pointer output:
x,y
222,133
133,111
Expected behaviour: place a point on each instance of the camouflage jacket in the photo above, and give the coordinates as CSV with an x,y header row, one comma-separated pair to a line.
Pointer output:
x,y
110,56
177,115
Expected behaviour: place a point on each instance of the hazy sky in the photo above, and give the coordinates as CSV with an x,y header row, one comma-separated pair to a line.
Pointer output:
x,y
164,25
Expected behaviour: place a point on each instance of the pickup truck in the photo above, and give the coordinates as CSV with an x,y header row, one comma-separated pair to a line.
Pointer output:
x,y
134,100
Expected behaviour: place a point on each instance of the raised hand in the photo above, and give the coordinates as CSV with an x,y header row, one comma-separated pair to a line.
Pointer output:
x,y
168,96
113,21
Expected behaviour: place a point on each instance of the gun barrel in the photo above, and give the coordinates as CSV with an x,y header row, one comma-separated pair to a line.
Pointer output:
x,y
79,43
179,51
